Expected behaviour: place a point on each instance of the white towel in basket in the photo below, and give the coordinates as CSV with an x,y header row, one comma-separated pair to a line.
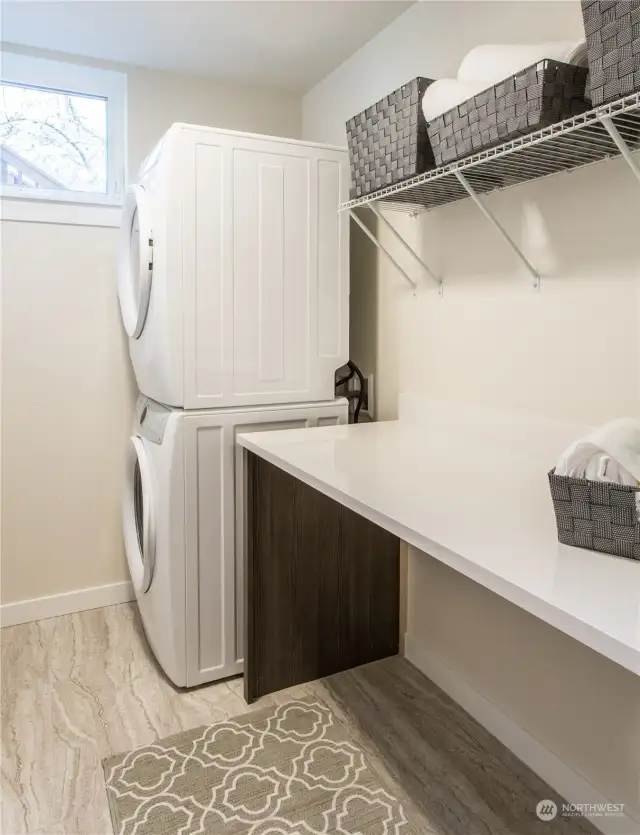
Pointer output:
x,y
488,64
493,63
610,453
446,93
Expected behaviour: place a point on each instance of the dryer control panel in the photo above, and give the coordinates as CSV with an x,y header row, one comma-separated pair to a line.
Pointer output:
x,y
152,419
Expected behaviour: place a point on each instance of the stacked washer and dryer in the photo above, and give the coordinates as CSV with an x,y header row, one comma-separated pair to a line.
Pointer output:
x,y
234,292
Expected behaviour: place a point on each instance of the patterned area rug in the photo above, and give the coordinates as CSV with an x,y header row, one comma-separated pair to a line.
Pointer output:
x,y
282,770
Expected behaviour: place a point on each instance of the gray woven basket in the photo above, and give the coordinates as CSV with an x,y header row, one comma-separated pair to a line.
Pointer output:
x,y
598,516
538,96
388,141
613,47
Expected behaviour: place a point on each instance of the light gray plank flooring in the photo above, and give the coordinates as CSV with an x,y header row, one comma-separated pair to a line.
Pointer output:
x,y
453,774
74,690
78,688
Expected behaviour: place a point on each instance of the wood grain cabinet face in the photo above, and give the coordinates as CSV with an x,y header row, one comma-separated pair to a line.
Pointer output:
x,y
322,584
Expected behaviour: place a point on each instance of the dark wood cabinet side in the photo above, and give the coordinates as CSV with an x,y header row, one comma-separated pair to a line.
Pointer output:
x,y
322,584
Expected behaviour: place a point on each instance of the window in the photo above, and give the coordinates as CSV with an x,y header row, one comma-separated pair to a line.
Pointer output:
x,y
61,131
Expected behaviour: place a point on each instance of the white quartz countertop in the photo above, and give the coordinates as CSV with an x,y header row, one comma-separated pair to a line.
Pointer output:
x,y
474,495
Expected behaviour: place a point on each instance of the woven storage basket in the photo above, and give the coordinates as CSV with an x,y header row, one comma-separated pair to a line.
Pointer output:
x,y
598,516
613,47
388,141
538,96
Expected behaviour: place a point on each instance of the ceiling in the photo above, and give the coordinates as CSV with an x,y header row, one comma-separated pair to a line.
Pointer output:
x,y
274,43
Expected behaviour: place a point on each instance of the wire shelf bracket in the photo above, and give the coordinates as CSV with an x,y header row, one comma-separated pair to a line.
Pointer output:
x,y
406,246
622,146
498,227
383,249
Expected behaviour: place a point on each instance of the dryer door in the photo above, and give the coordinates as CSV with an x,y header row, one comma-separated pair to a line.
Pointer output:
x,y
135,260
139,523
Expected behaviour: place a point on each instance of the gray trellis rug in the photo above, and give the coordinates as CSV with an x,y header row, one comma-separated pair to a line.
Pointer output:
x,y
282,770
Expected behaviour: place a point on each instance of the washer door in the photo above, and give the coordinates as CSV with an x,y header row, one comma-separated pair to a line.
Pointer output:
x,y
135,260
139,524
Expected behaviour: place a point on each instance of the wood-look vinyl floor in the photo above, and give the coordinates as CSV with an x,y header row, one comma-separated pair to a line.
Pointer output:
x,y
80,687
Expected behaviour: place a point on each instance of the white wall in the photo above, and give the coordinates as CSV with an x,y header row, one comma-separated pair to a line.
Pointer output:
x,y
68,390
571,351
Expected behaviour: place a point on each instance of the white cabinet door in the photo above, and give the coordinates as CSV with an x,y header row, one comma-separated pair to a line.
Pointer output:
x,y
207,272
265,271
214,538
272,271
210,581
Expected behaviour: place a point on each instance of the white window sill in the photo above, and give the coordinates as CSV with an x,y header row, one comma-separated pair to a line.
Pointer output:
x,y
24,210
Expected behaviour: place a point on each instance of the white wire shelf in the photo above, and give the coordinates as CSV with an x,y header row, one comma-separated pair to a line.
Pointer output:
x,y
574,143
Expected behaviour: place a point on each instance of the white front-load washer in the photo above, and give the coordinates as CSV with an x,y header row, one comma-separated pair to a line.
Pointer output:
x,y
182,517
233,272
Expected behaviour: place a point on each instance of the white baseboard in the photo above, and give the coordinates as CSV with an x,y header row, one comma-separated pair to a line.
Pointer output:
x,y
547,765
40,608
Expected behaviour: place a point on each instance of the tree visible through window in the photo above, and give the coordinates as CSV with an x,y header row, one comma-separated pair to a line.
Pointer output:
x,y
52,140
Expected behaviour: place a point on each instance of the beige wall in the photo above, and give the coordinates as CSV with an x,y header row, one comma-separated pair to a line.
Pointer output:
x,y
571,351
68,390
67,397
363,301
157,99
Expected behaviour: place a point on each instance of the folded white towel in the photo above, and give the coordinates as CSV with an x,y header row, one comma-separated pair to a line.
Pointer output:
x,y
446,93
610,453
579,56
493,63
489,64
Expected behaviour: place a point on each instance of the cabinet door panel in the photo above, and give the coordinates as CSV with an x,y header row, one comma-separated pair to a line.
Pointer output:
x,y
271,273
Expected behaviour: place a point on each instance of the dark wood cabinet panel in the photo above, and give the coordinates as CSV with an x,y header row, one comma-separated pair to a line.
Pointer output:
x,y
322,584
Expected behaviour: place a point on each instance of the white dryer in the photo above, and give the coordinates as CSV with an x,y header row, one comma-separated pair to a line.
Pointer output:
x,y
233,270
183,534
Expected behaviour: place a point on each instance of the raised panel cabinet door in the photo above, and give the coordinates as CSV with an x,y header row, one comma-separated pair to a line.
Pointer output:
x,y
271,269
206,292
209,550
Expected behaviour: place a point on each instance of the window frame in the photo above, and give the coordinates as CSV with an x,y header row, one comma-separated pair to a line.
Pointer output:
x,y
78,79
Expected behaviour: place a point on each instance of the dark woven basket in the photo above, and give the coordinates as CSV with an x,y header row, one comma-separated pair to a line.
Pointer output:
x,y
388,141
538,96
598,516
613,48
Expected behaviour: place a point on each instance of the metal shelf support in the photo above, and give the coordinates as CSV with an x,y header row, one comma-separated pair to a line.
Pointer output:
x,y
406,246
622,146
498,227
383,249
